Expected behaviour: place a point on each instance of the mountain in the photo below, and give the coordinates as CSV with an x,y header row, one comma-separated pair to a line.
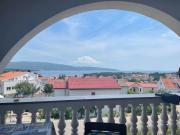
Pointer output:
x,y
24,65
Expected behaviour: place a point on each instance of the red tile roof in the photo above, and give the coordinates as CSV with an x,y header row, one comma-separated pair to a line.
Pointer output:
x,y
42,78
129,84
11,74
92,83
141,84
148,85
169,84
57,83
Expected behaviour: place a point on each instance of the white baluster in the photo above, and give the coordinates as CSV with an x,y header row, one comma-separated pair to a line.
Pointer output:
x,y
62,123
122,119
19,117
48,115
164,119
74,123
110,116
87,118
154,119
173,124
33,116
144,120
133,128
99,114
2,117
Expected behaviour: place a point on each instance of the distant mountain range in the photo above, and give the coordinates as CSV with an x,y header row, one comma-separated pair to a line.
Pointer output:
x,y
36,66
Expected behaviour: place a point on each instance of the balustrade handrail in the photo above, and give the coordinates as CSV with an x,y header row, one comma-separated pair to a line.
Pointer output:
x,y
75,102
80,98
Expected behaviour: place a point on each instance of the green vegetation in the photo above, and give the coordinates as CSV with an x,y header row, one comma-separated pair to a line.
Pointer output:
x,y
157,75
131,91
48,89
62,76
25,88
41,114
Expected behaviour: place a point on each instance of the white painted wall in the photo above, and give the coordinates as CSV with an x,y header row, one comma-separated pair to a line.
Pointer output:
x,y
60,92
30,77
97,92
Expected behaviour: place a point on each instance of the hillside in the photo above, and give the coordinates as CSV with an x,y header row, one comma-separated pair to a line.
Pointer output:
x,y
49,66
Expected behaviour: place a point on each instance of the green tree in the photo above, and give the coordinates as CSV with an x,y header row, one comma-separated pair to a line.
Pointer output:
x,y
81,112
131,91
62,76
48,89
25,88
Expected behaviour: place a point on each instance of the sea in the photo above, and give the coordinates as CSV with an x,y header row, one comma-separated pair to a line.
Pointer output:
x,y
69,73
82,72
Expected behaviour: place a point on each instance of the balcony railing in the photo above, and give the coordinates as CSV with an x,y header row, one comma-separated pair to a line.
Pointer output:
x,y
76,102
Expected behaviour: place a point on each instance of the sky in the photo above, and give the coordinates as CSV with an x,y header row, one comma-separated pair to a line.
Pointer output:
x,y
115,39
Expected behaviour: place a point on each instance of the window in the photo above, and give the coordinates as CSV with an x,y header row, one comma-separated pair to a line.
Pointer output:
x,y
8,88
93,93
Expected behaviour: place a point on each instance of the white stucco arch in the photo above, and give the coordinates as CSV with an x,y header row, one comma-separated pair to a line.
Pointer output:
x,y
155,13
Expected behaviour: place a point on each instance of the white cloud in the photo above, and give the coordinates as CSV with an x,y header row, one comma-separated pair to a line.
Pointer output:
x,y
87,60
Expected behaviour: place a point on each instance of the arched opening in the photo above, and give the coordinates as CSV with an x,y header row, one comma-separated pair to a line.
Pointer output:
x,y
147,10
97,104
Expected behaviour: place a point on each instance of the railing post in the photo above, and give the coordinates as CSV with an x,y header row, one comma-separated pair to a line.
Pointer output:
x,y
74,123
2,117
122,119
19,117
154,119
87,118
110,116
33,116
48,115
133,128
173,116
164,119
62,123
99,113
144,120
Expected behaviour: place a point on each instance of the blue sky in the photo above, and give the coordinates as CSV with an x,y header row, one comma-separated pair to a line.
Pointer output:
x,y
106,38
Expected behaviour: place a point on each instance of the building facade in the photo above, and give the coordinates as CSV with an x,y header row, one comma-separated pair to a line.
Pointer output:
x,y
9,80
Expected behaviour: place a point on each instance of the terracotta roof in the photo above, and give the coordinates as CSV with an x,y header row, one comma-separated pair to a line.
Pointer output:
x,y
57,83
129,84
169,84
43,78
10,75
148,85
92,83
141,84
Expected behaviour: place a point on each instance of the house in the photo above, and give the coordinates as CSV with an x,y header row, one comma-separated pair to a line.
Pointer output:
x,y
169,84
138,87
141,87
42,81
59,87
93,86
9,79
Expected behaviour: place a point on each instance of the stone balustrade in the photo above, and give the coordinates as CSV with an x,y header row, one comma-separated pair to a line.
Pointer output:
x,y
87,102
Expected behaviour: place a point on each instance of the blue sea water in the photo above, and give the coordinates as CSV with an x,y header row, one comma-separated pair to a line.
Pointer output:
x,y
68,73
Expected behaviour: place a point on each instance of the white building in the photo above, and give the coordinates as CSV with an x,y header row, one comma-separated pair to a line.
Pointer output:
x,y
8,81
94,86
139,87
59,87
79,86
